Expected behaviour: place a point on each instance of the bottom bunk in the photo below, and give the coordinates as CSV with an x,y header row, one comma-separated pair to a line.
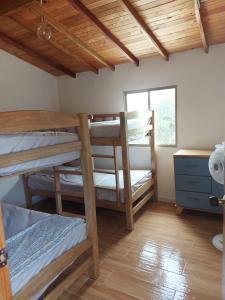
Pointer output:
x,y
142,187
37,241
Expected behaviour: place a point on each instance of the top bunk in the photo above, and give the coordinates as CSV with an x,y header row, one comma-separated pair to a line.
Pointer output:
x,y
124,127
33,140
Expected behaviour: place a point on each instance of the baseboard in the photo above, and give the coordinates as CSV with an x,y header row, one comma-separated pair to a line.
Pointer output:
x,y
166,199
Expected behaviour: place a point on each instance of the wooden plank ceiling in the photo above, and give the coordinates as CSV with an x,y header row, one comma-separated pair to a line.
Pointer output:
x,y
95,34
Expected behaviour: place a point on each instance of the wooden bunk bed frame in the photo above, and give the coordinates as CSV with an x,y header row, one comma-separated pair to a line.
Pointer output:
x,y
133,201
86,253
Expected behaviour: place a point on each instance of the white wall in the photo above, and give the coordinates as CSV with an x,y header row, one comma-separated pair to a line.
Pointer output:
x,y
23,86
200,79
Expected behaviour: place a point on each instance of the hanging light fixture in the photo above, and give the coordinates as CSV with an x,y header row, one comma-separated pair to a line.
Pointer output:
x,y
44,31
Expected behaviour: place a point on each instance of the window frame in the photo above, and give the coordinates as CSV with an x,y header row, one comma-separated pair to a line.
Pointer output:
x,y
148,90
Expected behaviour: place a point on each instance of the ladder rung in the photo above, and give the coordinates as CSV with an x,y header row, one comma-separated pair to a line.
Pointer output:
x,y
103,156
104,171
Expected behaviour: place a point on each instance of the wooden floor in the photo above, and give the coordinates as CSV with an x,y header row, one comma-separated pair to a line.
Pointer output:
x,y
166,257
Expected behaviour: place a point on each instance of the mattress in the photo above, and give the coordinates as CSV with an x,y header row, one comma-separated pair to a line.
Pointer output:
x,y
35,239
11,143
45,181
110,129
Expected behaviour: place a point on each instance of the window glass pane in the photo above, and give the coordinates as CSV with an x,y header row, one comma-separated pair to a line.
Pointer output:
x,y
137,101
163,102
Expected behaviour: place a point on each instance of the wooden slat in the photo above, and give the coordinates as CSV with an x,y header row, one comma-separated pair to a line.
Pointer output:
x,y
104,171
5,286
33,28
103,156
72,215
72,37
28,195
9,6
35,120
201,26
51,271
29,155
105,141
116,168
58,191
126,171
144,27
142,189
142,202
50,194
61,287
78,5
89,192
68,170
7,39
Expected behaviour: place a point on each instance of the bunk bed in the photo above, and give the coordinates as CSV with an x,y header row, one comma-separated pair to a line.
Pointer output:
x,y
123,190
38,248
125,130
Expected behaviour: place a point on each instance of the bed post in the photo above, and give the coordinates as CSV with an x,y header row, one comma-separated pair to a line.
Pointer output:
x,y
126,172
153,156
58,191
28,195
5,286
89,191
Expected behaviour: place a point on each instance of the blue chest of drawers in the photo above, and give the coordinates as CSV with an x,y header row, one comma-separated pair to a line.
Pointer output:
x,y
193,182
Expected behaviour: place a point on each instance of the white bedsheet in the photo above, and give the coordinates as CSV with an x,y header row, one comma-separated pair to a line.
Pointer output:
x,y
35,239
31,140
27,141
45,181
109,129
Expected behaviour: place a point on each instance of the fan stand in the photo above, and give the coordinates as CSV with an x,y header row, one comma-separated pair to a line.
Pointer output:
x,y
217,242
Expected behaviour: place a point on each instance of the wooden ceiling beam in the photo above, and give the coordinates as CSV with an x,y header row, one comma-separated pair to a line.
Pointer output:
x,y
10,6
79,6
18,45
72,37
199,18
30,26
144,27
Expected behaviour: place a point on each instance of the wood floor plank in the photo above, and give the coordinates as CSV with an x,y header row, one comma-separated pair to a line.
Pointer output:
x,y
166,257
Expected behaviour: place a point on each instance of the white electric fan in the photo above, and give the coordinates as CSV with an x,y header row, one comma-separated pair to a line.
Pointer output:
x,y
216,169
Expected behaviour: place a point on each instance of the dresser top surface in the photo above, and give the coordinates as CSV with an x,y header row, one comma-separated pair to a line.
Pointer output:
x,y
193,153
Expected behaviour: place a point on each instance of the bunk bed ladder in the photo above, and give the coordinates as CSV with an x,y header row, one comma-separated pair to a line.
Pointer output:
x,y
115,172
138,204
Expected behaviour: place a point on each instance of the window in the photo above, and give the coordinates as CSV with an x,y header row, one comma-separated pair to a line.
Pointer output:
x,y
163,102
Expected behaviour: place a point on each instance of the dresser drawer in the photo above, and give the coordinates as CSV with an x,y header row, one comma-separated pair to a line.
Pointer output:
x,y
217,189
191,166
193,183
196,200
